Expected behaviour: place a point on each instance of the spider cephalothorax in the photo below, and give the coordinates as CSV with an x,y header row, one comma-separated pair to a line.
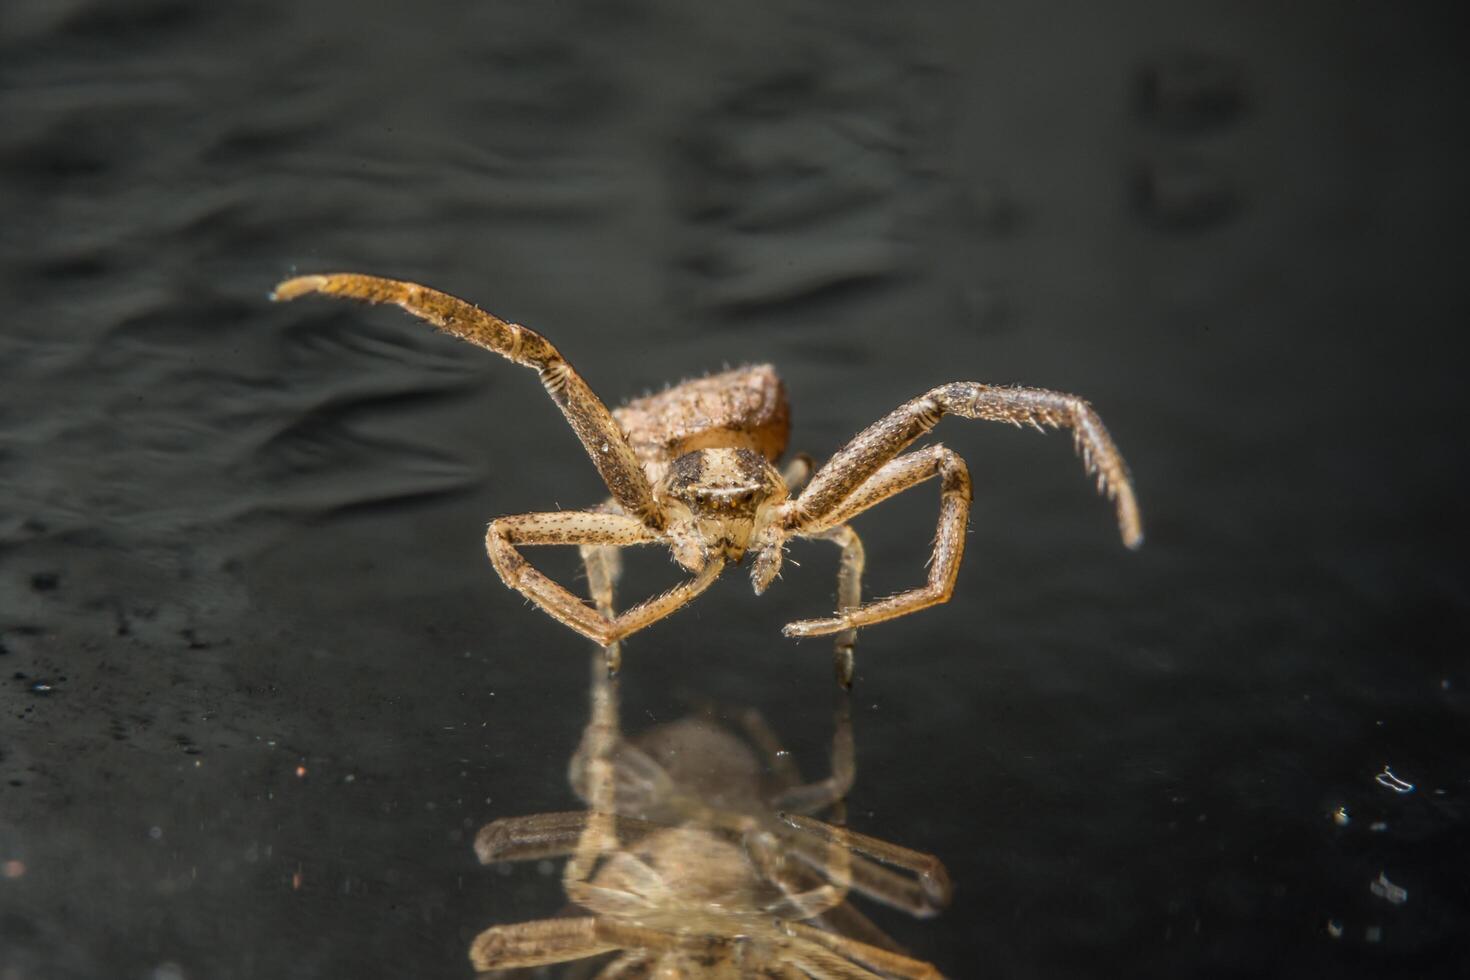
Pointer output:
x,y
715,499
691,467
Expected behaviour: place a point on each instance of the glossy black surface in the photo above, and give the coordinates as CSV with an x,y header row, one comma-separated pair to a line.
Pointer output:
x,y
260,685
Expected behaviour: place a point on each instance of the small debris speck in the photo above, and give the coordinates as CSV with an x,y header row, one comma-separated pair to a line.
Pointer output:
x,y
1386,889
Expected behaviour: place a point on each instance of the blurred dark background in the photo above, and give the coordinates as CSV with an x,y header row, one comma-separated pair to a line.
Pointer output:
x,y
260,685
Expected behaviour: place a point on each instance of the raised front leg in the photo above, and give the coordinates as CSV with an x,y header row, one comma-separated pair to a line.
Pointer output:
x,y
824,500
949,539
581,527
588,416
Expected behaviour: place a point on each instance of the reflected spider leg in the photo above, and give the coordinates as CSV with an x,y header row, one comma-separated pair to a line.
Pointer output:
x,y
925,896
547,835
604,567
809,798
603,732
891,963
540,943
869,469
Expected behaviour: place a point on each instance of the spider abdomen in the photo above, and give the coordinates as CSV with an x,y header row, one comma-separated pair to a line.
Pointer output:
x,y
745,408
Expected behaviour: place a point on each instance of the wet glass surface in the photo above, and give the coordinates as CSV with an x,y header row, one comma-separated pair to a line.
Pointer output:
x,y
261,687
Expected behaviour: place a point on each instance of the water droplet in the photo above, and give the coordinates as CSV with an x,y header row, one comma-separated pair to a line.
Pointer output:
x,y
1340,816
1334,928
156,833
1373,934
1387,778
42,688
605,447
1386,889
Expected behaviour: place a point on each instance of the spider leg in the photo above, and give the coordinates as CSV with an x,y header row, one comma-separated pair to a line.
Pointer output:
x,y
604,567
822,503
584,528
547,835
539,943
595,757
928,892
814,797
896,476
798,471
589,417
849,594
767,851
634,965
892,964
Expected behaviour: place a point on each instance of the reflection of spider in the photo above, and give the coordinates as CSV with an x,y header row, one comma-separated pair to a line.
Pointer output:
x,y
691,467
687,865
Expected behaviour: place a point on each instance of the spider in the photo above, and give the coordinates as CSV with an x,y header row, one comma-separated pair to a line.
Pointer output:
x,y
691,863
692,468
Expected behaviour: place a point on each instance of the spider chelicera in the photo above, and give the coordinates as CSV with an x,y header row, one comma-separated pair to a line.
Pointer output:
x,y
691,467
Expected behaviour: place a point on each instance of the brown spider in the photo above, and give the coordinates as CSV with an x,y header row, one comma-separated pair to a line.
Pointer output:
x,y
692,863
691,467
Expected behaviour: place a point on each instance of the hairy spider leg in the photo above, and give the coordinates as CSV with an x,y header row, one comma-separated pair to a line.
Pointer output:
x,y
604,565
589,418
849,595
869,470
896,476
880,442
583,527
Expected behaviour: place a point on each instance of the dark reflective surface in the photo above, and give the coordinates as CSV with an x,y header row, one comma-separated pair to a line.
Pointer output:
x,y
261,687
